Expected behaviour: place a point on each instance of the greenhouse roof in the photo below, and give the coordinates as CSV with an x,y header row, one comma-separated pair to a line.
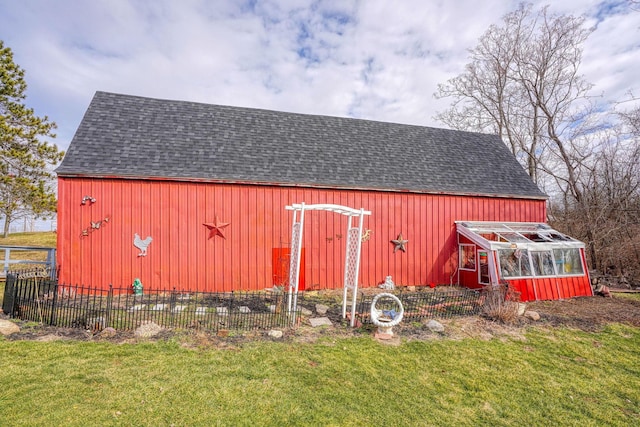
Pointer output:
x,y
496,235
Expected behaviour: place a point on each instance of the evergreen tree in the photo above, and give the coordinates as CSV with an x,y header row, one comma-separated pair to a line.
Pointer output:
x,y
26,159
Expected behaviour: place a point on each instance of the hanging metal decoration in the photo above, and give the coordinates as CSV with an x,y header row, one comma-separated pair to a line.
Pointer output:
x,y
216,227
94,226
141,244
400,243
88,199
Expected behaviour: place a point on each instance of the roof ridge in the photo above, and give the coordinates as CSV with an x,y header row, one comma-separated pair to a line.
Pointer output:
x,y
295,113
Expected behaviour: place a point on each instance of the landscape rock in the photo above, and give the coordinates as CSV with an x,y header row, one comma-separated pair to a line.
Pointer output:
x,y
533,315
50,338
435,326
275,333
320,321
522,307
108,332
322,309
603,291
7,327
383,336
147,330
305,311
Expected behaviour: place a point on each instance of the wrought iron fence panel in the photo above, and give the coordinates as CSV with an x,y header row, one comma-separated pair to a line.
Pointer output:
x,y
428,304
46,301
76,306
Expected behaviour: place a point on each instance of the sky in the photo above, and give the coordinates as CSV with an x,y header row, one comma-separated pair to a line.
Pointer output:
x,y
374,59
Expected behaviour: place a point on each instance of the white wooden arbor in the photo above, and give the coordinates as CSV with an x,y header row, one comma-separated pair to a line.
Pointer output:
x,y
352,255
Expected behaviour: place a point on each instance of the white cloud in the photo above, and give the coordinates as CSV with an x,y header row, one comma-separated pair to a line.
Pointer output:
x,y
372,59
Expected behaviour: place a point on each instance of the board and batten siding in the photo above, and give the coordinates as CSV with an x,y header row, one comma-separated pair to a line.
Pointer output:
x,y
182,256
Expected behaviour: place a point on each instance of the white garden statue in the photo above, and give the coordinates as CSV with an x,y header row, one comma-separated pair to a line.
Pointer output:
x,y
388,284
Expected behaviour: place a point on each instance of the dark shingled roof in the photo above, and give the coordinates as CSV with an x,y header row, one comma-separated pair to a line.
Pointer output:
x,y
130,136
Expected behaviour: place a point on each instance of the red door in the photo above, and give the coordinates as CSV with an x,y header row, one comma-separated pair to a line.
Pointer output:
x,y
280,265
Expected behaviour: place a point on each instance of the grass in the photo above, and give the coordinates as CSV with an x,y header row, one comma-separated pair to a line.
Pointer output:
x,y
554,377
44,239
631,296
39,239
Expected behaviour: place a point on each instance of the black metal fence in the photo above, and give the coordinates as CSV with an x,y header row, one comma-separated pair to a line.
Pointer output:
x,y
47,302
427,304
44,300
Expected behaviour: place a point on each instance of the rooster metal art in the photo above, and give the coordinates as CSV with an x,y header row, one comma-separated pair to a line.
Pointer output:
x,y
141,244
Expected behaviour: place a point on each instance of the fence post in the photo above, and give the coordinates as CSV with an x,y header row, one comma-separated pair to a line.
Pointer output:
x,y
9,302
8,288
52,319
172,306
230,313
109,306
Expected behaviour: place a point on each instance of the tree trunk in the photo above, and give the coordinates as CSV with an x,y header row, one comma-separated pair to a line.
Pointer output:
x,y
7,223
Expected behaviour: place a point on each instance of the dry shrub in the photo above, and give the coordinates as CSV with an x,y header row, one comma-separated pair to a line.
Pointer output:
x,y
500,303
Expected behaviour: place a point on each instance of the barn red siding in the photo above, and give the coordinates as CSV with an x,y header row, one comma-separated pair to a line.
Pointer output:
x,y
552,288
182,256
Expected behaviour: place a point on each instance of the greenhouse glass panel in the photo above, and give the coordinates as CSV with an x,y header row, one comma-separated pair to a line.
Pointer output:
x,y
568,261
514,263
542,263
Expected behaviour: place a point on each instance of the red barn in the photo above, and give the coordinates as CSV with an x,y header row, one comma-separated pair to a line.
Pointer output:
x,y
192,196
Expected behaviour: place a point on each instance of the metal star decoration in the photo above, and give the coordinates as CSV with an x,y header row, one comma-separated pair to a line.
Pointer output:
x,y
400,243
215,227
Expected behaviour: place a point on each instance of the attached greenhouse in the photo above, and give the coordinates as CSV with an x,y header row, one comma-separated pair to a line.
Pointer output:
x,y
534,259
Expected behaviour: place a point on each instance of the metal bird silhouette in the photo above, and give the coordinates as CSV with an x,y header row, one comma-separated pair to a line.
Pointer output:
x,y
141,244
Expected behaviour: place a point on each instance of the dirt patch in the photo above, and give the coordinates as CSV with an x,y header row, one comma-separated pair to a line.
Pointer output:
x,y
589,313
585,313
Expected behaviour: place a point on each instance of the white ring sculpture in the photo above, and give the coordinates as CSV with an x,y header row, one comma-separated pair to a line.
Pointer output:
x,y
377,315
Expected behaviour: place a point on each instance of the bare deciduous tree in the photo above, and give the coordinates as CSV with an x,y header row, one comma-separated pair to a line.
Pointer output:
x,y
523,84
610,215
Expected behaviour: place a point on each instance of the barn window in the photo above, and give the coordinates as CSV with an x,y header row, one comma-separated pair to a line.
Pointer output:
x,y
467,257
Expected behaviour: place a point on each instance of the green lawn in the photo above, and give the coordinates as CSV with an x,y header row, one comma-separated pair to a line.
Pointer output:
x,y
44,239
39,239
554,377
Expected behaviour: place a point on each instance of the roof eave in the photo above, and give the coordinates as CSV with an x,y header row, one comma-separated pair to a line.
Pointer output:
x,y
302,185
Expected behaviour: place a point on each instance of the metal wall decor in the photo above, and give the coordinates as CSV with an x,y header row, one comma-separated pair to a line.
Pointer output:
x,y
216,227
141,244
94,226
400,243
86,199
